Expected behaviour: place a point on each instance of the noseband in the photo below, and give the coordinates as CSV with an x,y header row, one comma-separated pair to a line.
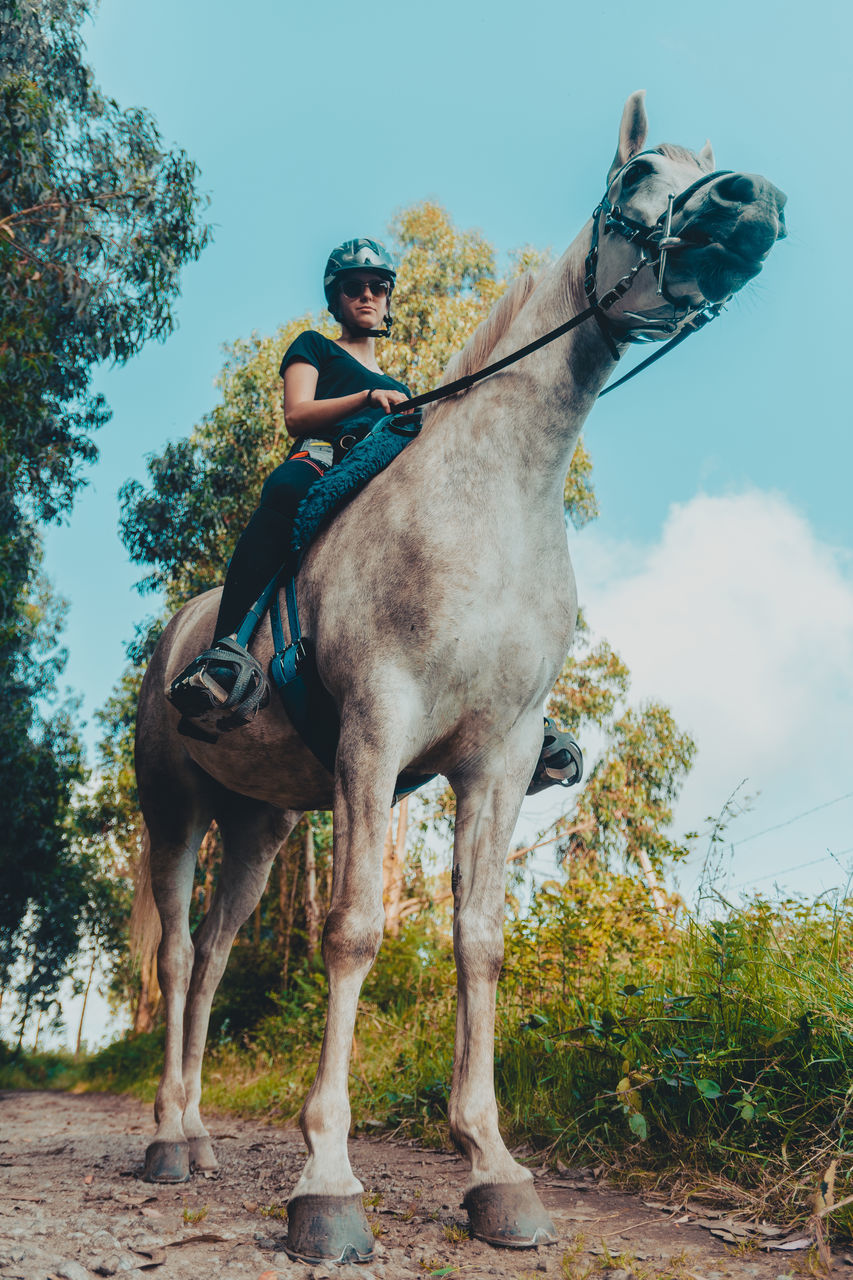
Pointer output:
x,y
658,241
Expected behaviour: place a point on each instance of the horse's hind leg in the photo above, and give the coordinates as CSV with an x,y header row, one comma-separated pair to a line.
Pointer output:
x,y
175,832
252,833
502,1205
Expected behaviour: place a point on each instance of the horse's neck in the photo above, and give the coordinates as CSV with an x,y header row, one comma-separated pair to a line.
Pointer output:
x,y
533,412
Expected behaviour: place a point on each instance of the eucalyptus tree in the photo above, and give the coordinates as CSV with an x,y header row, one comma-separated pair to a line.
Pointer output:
x,y
97,219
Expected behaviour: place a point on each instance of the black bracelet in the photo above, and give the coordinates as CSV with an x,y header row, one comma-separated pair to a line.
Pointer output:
x,y
368,404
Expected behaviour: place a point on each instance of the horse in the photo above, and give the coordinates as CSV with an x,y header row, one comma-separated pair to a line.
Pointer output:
x,y
441,603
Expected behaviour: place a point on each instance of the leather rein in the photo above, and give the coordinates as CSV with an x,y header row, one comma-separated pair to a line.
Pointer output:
x,y
657,239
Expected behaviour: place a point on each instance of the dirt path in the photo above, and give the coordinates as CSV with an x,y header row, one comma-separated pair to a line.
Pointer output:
x,y
72,1206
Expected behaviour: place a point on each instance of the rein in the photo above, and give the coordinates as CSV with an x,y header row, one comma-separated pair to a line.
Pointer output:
x,y
659,239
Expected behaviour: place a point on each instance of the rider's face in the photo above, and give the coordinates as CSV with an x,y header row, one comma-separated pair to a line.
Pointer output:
x,y
368,307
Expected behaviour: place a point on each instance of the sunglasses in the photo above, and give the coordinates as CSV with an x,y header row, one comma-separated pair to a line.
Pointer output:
x,y
355,288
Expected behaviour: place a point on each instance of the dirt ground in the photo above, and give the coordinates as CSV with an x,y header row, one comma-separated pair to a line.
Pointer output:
x,y
72,1206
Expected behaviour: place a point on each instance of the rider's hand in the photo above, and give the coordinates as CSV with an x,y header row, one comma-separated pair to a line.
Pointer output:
x,y
383,399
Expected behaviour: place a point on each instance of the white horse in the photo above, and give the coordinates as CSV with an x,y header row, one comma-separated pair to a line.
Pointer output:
x,y
442,605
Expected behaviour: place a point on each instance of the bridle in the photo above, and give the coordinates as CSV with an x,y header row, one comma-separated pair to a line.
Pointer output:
x,y
656,240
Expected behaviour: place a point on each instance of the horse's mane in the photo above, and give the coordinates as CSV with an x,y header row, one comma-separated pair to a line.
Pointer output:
x,y
488,333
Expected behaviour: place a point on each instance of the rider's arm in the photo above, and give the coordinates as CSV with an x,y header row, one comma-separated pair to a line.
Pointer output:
x,y
306,416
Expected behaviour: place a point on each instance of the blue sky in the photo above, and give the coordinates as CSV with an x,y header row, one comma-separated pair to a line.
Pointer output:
x,y
722,565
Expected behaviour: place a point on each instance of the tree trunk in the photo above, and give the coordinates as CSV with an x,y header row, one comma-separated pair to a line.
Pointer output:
x,y
282,903
85,1002
25,1016
392,867
312,912
207,856
291,911
38,1031
203,893
658,895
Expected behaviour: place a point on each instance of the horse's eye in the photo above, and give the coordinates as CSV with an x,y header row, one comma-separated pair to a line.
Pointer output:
x,y
635,172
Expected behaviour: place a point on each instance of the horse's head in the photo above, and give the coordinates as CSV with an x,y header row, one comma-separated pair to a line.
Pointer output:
x,y
672,236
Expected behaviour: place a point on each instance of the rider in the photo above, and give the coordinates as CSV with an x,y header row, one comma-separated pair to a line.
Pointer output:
x,y
334,392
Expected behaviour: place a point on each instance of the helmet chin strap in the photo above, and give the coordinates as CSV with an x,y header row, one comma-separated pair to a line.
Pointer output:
x,y
381,333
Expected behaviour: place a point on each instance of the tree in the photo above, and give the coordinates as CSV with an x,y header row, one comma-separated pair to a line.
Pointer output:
x,y
40,767
625,808
97,219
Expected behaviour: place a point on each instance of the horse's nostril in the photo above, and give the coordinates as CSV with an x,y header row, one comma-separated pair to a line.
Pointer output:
x,y
739,188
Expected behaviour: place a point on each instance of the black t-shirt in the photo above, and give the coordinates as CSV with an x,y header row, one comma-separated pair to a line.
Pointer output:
x,y
340,374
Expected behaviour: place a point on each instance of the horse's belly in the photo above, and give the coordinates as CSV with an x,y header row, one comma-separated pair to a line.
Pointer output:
x,y
267,760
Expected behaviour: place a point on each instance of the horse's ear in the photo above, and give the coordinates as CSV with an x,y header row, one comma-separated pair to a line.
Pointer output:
x,y
706,156
632,131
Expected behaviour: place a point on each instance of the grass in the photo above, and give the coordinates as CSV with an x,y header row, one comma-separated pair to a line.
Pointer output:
x,y
192,1216
37,1070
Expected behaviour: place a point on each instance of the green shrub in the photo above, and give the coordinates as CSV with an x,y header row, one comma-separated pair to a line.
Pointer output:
x,y
21,1070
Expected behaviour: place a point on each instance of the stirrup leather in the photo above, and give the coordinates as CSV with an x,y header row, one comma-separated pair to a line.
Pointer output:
x,y
198,695
560,761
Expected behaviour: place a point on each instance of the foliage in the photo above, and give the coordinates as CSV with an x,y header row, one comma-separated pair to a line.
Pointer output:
x,y
40,765
37,1070
728,1044
204,488
625,808
96,221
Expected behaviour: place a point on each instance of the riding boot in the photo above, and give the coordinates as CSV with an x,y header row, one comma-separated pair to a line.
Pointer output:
x,y
560,761
211,680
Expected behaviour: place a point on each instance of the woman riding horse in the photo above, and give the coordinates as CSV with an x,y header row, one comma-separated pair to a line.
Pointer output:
x,y
334,393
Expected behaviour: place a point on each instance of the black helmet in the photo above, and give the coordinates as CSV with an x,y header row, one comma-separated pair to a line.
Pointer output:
x,y
356,255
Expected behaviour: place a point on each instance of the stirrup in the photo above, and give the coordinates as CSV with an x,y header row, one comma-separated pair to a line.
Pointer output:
x,y
560,761
199,695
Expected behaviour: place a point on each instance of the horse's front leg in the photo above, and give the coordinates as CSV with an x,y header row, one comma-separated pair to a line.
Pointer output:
x,y
326,1218
502,1205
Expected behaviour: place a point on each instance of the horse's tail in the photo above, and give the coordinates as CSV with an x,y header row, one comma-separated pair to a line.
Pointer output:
x,y
145,927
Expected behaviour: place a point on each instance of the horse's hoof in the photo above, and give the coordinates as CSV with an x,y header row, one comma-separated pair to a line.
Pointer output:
x,y
167,1162
328,1229
509,1214
202,1159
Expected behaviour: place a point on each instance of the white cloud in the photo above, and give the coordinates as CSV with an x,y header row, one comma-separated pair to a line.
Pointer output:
x,y
741,620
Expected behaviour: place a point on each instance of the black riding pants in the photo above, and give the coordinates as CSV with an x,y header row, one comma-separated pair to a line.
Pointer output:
x,y
264,544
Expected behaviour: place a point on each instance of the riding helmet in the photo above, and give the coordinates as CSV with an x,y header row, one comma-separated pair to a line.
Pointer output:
x,y
356,255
